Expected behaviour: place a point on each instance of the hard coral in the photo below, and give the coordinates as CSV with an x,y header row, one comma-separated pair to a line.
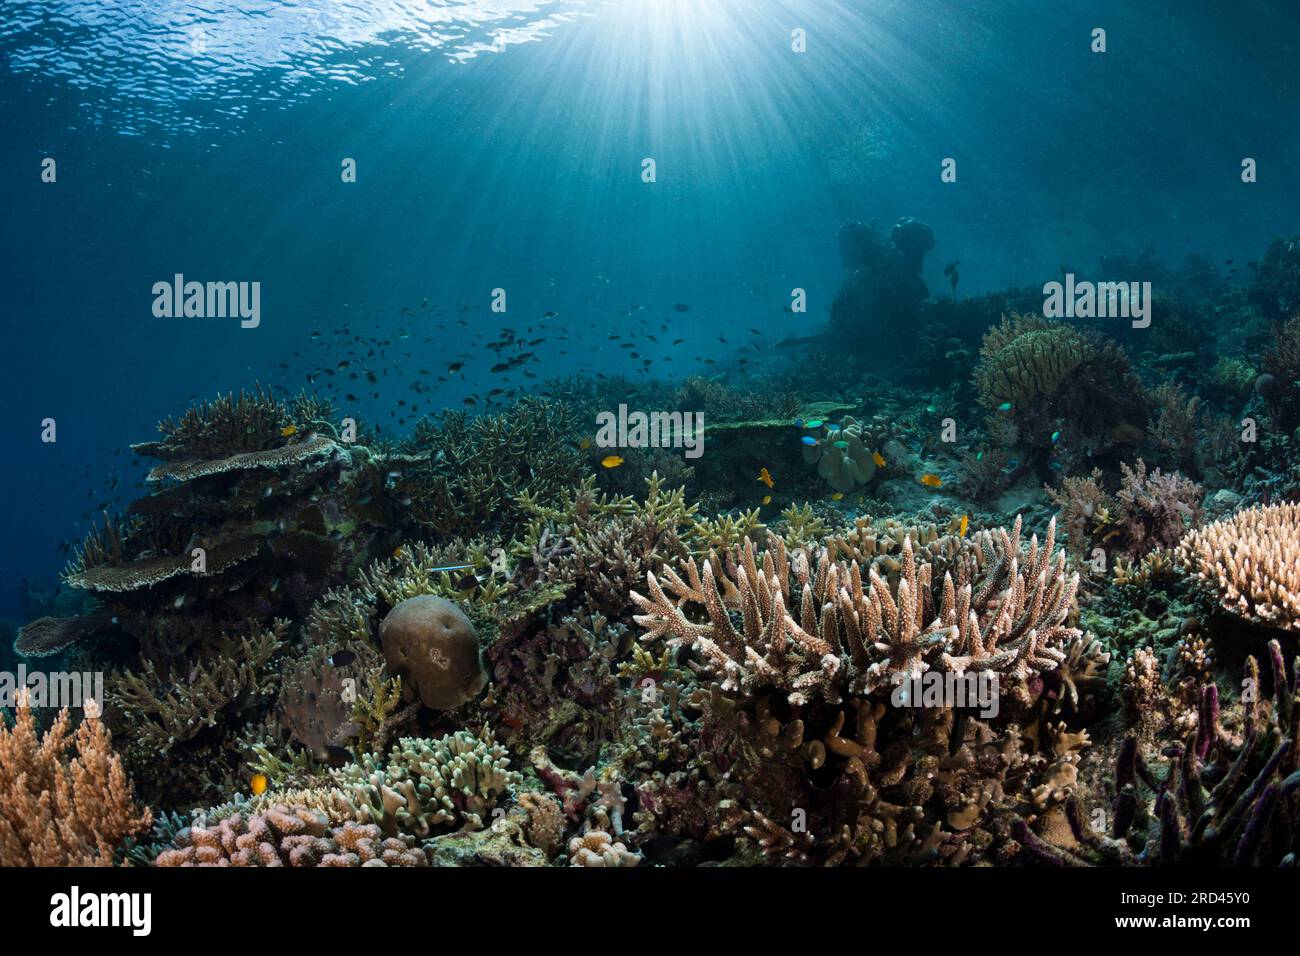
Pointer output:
x,y
288,836
1251,563
64,798
433,647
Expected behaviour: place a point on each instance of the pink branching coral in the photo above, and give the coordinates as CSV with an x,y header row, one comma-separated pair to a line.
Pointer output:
x,y
288,836
997,609
1251,563
64,797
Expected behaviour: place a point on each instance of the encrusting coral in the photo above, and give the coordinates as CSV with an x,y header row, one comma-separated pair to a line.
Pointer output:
x,y
64,798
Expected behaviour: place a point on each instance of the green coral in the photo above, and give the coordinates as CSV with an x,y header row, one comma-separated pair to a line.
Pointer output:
x,y
427,785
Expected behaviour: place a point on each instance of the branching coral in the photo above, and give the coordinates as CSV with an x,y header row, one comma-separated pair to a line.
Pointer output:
x,y
424,785
1220,801
1026,358
467,473
64,797
288,836
165,706
1251,563
990,613
1149,511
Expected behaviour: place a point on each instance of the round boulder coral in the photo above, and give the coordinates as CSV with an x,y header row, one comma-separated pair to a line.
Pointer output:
x,y
432,646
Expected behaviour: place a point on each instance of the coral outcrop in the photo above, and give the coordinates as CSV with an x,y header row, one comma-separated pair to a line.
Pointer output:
x,y
430,644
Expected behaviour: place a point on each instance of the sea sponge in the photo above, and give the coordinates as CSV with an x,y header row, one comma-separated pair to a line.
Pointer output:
x,y
842,460
430,643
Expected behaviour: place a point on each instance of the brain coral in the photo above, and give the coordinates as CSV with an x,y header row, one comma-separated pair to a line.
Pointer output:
x,y
433,647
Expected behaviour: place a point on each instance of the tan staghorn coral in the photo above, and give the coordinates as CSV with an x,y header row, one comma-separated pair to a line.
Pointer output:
x,y
64,797
996,610
1251,563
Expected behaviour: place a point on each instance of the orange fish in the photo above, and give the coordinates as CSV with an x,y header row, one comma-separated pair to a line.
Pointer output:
x,y
965,523
288,430
765,477
878,459
931,481
611,461
258,784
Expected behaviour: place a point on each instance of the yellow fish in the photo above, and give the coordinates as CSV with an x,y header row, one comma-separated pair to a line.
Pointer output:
x,y
878,459
765,477
288,430
767,499
838,496
585,444
965,523
931,481
611,461
258,784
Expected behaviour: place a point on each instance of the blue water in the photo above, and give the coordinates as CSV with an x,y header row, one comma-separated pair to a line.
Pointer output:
x,y
499,144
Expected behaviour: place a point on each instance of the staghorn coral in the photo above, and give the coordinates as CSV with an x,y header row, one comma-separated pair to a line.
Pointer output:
x,y
233,424
1250,563
64,798
168,705
988,614
466,474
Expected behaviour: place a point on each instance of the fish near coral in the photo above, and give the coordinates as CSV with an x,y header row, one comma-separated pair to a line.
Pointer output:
x,y
430,643
765,477
611,461
931,481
